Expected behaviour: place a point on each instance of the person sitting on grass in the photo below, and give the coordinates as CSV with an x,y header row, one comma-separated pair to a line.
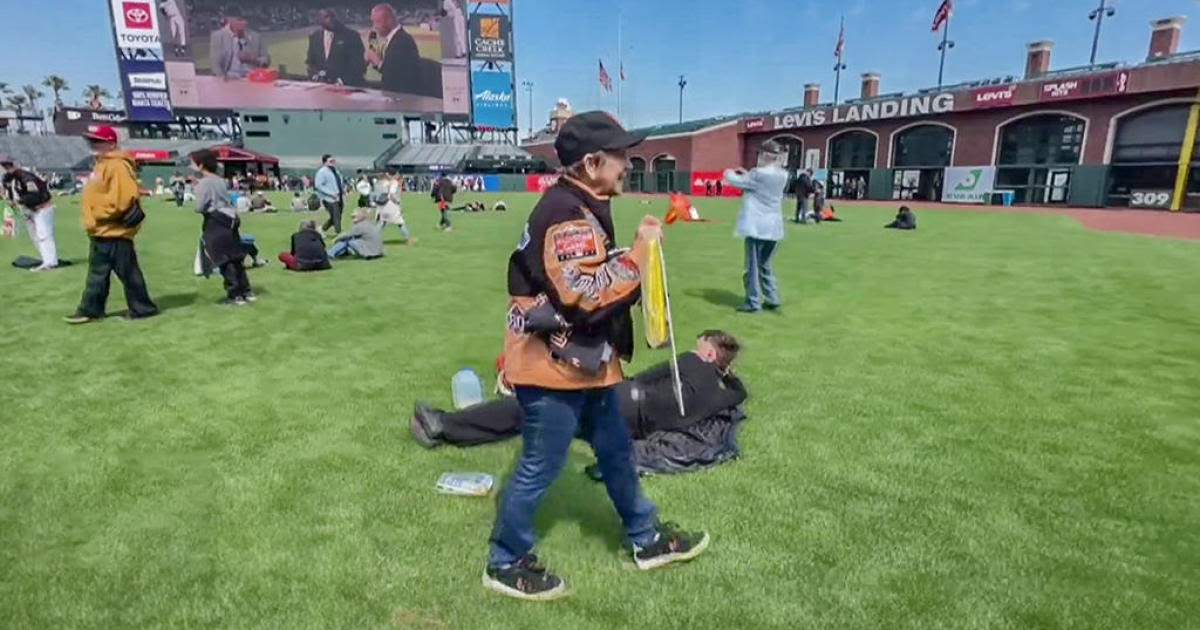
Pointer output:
x,y
298,203
260,203
905,220
364,239
646,402
308,250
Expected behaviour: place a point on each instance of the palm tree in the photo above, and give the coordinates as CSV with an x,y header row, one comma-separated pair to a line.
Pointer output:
x,y
33,94
18,103
95,93
58,85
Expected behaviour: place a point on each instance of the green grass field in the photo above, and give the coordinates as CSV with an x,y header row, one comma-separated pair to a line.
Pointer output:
x,y
993,422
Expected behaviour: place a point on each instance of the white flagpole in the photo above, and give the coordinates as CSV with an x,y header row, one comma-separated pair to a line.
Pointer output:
x,y
671,333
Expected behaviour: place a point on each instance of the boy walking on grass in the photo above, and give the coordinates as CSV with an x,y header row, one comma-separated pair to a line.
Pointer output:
x,y
569,326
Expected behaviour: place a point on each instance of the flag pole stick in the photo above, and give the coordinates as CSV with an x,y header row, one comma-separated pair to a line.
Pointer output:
x,y
620,65
671,332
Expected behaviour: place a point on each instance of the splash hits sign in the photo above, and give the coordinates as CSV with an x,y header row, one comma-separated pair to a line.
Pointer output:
x,y
883,109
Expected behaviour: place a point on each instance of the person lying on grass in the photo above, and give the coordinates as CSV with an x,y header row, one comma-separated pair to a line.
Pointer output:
x,y
647,400
364,239
308,250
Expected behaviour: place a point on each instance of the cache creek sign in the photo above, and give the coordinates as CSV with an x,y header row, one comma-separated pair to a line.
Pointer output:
x,y
882,109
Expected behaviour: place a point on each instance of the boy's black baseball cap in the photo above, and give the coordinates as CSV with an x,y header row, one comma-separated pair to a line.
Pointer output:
x,y
590,132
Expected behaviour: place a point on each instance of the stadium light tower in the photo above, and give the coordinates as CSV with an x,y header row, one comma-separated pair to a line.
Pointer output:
x,y
682,84
1097,15
528,85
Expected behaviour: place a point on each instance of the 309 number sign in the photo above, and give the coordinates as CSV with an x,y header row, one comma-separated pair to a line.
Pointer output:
x,y
1149,199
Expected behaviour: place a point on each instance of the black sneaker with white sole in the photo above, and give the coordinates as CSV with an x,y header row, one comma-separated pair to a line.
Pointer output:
x,y
525,579
671,544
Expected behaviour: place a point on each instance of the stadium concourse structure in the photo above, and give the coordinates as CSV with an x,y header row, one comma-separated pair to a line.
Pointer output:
x,y
281,142
1108,135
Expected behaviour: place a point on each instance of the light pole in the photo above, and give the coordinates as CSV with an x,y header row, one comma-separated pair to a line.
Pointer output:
x,y
1097,15
945,45
837,79
528,85
682,84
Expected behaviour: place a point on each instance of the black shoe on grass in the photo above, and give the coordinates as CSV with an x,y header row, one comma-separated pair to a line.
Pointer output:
x,y
526,579
426,425
670,545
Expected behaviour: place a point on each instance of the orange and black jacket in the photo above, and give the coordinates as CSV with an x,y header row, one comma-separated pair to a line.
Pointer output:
x,y
568,256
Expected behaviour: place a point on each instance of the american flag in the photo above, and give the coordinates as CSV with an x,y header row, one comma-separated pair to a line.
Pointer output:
x,y
605,80
837,51
945,10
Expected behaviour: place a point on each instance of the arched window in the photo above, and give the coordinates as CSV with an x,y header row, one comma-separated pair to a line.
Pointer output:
x,y
1036,157
637,174
1145,156
795,150
923,146
664,173
1042,139
852,150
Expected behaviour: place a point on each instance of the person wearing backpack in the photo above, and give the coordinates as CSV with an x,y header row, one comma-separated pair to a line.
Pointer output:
x,y
112,215
30,193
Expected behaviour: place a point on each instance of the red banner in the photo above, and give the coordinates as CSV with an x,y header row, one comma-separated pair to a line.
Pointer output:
x,y
151,155
996,96
708,183
1084,87
539,183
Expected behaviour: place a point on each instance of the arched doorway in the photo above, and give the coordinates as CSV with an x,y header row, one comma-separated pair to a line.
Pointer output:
x,y
664,173
1036,154
795,156
1145,159
637,174
920,155
851,158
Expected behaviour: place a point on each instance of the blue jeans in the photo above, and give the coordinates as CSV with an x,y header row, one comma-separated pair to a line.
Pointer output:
x,y
760,274
552,420
342,248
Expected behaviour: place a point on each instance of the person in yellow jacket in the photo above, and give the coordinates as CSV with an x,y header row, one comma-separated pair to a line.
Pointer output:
x,y
109,218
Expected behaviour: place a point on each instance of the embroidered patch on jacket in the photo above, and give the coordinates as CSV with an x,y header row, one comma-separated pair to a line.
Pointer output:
x,y
573,243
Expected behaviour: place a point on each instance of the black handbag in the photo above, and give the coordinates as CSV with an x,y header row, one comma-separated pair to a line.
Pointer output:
x,y
134,216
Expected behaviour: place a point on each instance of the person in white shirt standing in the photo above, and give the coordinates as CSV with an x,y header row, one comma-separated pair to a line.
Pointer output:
x,y
392,209
760,222
30,193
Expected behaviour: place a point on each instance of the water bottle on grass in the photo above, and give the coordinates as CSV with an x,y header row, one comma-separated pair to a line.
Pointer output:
x,y
466,388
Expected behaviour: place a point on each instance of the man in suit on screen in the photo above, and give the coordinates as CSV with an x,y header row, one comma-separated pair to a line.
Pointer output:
x,y
394,52
335,52
235,50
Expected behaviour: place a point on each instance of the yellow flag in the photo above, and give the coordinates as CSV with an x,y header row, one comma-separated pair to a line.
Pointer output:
x,y
654,299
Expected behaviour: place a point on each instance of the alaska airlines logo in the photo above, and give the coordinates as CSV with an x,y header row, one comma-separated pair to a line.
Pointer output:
x,y
497,98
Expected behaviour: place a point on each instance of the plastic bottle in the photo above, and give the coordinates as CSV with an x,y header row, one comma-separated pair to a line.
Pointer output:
x,y
466,388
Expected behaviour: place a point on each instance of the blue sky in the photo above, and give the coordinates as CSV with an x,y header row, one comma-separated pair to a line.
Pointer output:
x,y
737,55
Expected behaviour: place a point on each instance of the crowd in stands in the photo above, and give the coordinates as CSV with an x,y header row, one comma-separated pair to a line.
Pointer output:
x,y
207,16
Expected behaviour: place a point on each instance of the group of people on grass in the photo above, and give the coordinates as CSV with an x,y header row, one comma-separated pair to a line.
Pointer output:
x,y
112,215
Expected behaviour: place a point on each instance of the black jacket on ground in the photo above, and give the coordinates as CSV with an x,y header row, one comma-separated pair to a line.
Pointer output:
x,y
26,189
345,61
309,250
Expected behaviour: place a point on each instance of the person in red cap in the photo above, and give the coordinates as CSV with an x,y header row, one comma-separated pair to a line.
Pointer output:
x,y
112,216
571,289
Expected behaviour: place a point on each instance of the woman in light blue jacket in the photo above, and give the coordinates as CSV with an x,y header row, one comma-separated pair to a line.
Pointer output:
x,y
760,222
